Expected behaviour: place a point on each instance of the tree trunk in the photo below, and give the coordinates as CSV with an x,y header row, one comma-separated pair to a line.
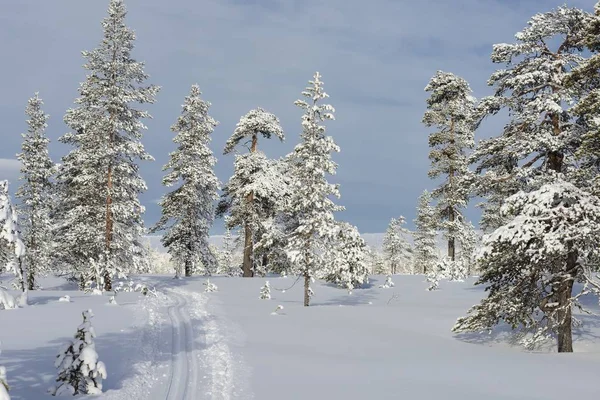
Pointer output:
x,y
451,239
306,288
30,281
451,211
247,265
188,268
565,309
109,222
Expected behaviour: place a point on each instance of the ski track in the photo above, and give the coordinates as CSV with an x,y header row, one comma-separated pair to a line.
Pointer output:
x,y
183,384
197,353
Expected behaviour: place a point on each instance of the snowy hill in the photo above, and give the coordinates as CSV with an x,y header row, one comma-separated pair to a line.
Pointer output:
x,y
374,344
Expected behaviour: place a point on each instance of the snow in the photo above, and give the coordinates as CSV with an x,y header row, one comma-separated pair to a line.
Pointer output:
x,y
228,345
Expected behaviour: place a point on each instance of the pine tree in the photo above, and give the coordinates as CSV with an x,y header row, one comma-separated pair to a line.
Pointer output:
x,y
530,264
226,256
396,247
12,248
99,179
310,219
451,110
585,82
188,211
541,136
265,291
251,194
425,247
36,193
348,258
79,371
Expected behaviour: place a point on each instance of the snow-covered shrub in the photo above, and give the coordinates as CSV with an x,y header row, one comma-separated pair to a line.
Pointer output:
x,y
388,283
12,248
265,291
10,302
347,258
79,371
4,388
454,271
65,299
210,287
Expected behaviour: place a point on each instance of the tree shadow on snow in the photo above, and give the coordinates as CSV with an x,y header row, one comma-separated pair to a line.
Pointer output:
x,y
357,298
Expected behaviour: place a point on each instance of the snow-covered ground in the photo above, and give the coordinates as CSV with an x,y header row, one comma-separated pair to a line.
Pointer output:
x,y
374,344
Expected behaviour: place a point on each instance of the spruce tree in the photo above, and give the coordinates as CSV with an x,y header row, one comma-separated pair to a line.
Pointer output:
x,y
251,194
348,258
310,219
79,371
99,180
426,224
541,136
451,110
396,247
36,193
188,211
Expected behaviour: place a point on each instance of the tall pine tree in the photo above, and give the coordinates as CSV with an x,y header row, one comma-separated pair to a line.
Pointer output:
x,y
188,211
542,136
250,195
451,110
99,179
311,208
36,194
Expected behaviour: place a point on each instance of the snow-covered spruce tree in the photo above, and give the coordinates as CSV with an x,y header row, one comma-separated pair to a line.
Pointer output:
x,y
188,211
36,194
252,192
396,247
226,263
531,263
542,136
12,248
310,208
425,247
99,179
451,110
79,371
265,291
347,259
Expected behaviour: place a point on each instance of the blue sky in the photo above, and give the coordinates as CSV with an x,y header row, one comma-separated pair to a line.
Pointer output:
x,y
375,58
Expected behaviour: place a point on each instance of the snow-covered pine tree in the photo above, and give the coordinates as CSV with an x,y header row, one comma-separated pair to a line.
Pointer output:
x,y
252,192
227,266
12,248
36,194
79,371
99,179
188,211
542,137
4,388
426,228
451,110
265,291
585,82
310,209
396,247
347,259
531,263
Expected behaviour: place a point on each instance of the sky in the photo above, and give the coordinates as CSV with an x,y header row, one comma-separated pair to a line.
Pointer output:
x,y
375,59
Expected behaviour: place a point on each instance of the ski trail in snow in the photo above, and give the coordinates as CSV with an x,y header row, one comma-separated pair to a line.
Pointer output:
x,y
183,383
